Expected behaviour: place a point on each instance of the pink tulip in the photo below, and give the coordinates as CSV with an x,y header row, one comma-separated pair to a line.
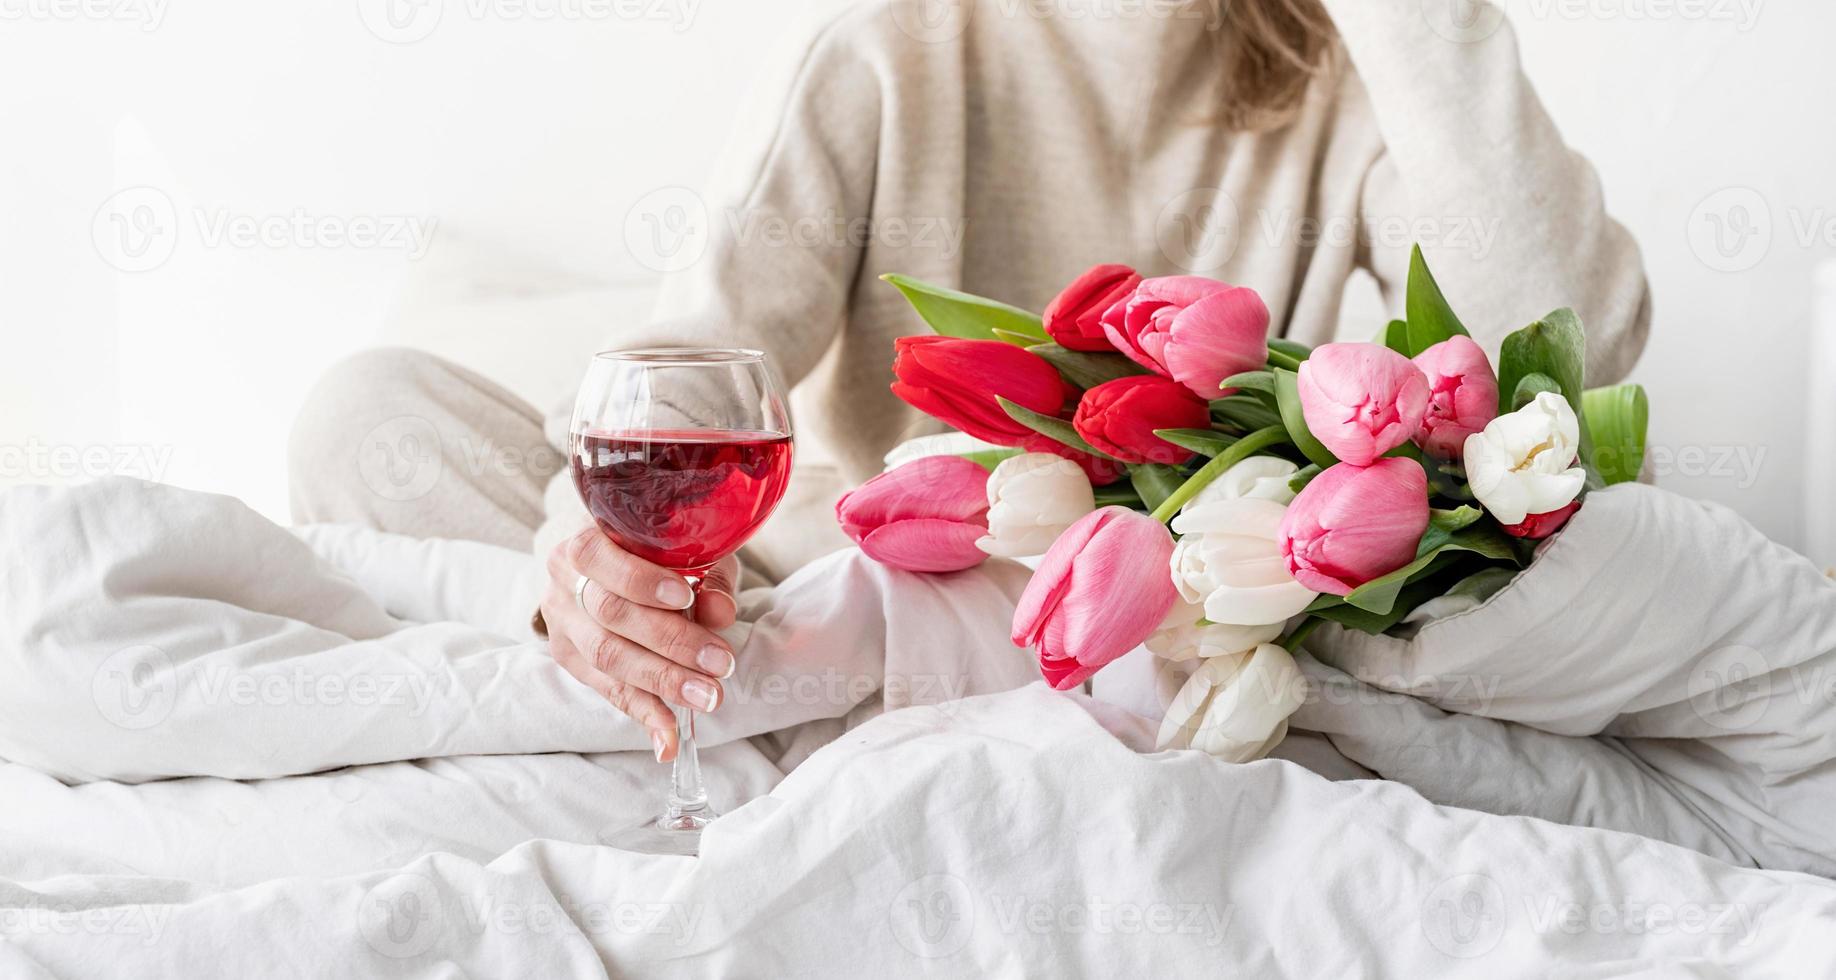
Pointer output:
x,y
1100,590
1361,400
1074,318
1194,330
1355,523
924,516
1462,395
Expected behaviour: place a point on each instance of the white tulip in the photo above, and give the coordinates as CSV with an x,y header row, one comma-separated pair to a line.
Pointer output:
x,y
942,444
1263,477
1235,708
1181,638
1524,462
1032,499
1229,561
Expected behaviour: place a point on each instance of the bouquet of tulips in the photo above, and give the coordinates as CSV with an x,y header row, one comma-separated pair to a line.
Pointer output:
x,y
1212,495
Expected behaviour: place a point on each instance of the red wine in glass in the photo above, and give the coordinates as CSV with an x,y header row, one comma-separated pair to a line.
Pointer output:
x,y
680,454
682,498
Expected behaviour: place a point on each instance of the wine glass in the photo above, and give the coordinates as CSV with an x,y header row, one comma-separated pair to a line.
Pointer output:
x,y
680,454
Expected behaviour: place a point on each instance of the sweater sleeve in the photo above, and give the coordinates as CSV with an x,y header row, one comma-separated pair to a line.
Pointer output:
x,y
767,259
1520,224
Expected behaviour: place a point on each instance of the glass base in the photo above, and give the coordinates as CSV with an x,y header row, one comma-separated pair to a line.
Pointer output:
x,y
676,832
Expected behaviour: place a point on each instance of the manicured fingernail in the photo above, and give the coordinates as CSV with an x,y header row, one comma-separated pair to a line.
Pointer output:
x,y
701,694
658,744
674,593
716,661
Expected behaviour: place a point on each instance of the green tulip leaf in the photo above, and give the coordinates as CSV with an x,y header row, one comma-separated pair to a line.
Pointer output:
x,y
1483,584
1396,337
1263,381
1119,494
1291,348
953,313
1380,594
988,459
1446,478
1617,418
1017,339
1280,361
1246,412
1451,569
1239,451
1555,347
1052,428
1531,385
1325,601
1154,482
1208,442
1430,318
1083,368
1443,524
1287,396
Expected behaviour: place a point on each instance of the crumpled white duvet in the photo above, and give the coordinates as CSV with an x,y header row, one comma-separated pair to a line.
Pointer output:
x,y
231,750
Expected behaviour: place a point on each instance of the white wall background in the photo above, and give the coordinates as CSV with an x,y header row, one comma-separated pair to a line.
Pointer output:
x,y
499,145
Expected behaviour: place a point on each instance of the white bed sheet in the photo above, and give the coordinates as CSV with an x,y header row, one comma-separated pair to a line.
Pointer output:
x,y
982,825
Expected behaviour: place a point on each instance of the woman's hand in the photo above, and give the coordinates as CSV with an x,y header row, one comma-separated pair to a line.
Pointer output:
x,y
628,637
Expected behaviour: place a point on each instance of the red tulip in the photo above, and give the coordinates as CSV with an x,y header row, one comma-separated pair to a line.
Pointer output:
x,y
1539,526
1102,472
958,381
1100,590
1194,330
1119,418
1462,395
1355,523
1074,318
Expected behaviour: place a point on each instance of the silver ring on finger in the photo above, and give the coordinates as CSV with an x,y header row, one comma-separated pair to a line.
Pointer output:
x,y
580,594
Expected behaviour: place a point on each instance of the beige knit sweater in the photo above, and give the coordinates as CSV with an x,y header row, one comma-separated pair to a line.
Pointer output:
x,y
1005,153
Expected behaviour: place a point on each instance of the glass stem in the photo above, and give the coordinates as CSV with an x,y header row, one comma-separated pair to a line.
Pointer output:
x,y
687,794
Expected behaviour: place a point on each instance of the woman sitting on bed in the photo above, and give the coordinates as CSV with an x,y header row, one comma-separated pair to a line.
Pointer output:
x,y
1282,144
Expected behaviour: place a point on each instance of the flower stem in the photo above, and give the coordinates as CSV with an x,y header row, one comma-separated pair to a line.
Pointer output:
x,y
1280,360
1299,635
1239,451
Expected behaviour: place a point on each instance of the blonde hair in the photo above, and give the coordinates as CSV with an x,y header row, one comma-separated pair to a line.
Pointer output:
x,y
1274,49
